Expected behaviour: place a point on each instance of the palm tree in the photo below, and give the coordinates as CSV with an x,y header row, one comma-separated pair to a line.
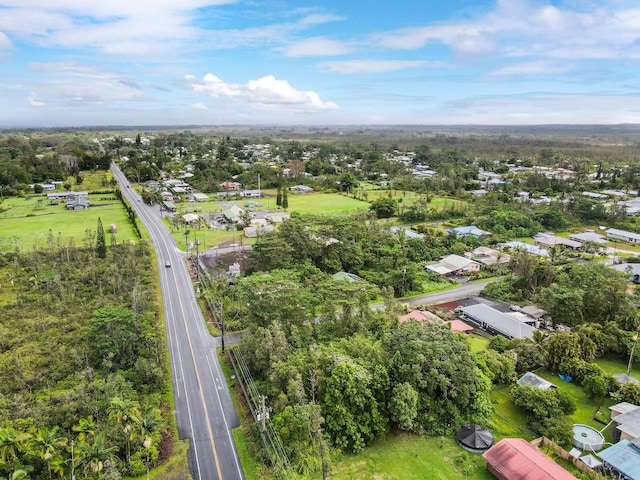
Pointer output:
x,y
126,413
12,442
19,474
93,455
86,428
46,443
147,429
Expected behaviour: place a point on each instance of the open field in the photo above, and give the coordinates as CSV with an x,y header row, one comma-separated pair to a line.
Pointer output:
x,y
29,225
410,457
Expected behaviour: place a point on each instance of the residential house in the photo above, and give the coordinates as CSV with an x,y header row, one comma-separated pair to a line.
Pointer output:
x,y
254,231
232,214
620,408
632,270
453,265
468,230
301,189
190,218
623,235
78,204
231,186
489,256
588,236
424,316
547,241
494,321
200,197
627,424
250,194
527,247
169,206
66,195
517,459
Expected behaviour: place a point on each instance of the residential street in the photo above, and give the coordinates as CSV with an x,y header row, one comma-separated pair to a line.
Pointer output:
x,y
203,408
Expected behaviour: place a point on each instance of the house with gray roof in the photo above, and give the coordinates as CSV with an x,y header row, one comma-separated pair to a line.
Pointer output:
x,y
623,235
494,321
453,265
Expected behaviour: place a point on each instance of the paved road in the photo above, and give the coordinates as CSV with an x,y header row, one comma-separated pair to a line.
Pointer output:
x,y
463,291
204,410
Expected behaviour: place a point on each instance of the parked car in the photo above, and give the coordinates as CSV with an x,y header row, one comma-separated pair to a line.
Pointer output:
x,y
515,308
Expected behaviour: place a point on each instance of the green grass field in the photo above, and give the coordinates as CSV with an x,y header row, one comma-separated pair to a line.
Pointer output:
x,y
29,225
409,457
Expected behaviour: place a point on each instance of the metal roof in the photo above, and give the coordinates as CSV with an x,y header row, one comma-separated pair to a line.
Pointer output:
x,y
498,321
624,457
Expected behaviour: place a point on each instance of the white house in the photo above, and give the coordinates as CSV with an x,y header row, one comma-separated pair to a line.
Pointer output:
x,y
454,265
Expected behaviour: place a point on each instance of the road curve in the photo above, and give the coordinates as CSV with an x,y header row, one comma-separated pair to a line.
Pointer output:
x,y
203,407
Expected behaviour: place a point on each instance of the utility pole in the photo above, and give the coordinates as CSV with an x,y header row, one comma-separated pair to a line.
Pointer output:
x,y
73,464
197,257
222,323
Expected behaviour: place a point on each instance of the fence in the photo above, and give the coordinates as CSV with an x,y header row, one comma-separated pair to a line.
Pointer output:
x,y
562,453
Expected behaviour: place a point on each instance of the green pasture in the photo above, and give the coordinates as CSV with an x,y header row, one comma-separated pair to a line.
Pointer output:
x,y
207,237
410,457
29,224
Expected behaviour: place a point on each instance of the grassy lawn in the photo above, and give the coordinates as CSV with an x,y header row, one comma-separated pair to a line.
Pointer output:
x,y
409,457
27,223
477,342
612,366
207,237
320,203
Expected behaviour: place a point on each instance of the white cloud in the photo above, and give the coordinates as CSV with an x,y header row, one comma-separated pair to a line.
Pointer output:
x,y
198,106
116,27
316,47
34,102
530,28
5,43
266,93
531,68
349,67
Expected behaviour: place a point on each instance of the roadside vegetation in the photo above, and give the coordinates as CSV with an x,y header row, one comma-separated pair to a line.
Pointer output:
x,y
352,393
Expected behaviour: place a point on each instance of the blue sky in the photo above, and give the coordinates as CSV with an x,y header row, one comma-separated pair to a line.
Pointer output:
x,y
220,62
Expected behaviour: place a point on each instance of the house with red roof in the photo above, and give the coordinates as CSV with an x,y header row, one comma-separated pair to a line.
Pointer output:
x,y
423,316
517,459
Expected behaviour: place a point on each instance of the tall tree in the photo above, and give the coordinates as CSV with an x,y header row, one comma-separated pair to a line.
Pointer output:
x,y
101,244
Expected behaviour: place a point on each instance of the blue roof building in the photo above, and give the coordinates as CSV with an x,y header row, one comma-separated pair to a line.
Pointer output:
x,y
624,457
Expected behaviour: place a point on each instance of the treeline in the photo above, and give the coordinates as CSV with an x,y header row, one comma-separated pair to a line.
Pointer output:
x,y
82,364
338,374
357,244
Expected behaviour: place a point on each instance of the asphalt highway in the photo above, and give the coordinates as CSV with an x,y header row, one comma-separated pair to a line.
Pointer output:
x,y
204,411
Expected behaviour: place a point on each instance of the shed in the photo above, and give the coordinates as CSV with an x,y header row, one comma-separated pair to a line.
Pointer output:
x,y
537,381
346,276
474,438
517,459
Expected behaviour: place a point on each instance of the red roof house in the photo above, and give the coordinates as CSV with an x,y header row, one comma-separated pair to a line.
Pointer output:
x,y
460,326
517,459
421,316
